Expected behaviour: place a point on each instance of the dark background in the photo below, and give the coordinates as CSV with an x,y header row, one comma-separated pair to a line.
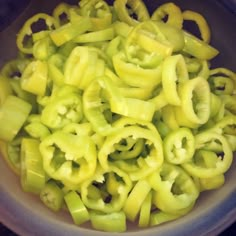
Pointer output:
x,y
10,9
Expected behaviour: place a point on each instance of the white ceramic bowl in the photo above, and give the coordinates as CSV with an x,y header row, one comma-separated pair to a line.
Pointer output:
x,y
215,210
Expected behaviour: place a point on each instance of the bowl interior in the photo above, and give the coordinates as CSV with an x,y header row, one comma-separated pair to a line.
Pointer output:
x,y
214,211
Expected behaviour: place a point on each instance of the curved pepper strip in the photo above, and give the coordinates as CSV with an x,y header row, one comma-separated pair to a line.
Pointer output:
x,y
147,161
126,106
43,48
162,128
146,46
210,147
216,104
5,89
221,85
128,151
52,196
94,108
78,129
175,191
63,109
179,146
136,93
138,7
62,13
193,65
195,103
135,199
68,158
145,211
37,130
201,23
229,103
128,91
98,12
70,30
173,12
22,94
174,72
168,31
26,30
226,126
222,81
136,76
35,77
122,29
197,67
82,60
13,153
204,71
232,141
159,101
14,68
158,217
13,114
112,222
76,208
65,49
96,36
84,129
168,116
127,122
37,36
10,83
55,69
221,71
198,48
110,201
211,183
12,163
114,46
33,176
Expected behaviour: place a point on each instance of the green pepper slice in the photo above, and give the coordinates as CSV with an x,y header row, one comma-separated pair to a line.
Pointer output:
x,y
136,198
63,109
76,208
175,17
201,23
174,189
210,147
136,76
174,71
137,7
144,162
146,46
26,30
33,176
198,48
12,122
111,222
62,160
195,103
35,77
52,196
179,146
112,199
98,11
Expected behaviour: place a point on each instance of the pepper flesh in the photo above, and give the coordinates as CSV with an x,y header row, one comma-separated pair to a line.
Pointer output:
x,y
63,162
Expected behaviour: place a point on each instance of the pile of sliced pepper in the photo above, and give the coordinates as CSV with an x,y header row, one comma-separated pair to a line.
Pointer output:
x,y
115,113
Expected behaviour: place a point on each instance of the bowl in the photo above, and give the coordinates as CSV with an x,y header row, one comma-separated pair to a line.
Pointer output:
x,y
214,211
